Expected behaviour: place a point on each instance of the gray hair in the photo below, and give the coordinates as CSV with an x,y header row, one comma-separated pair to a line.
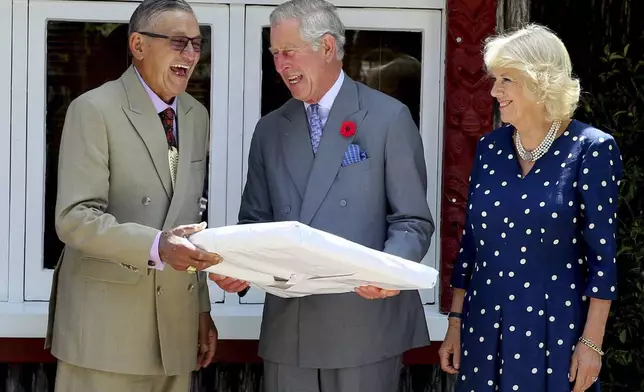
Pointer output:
x,y
149,10
316,17
543,59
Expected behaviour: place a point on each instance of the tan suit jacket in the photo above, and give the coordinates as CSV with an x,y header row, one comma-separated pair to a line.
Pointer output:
x,y
108,310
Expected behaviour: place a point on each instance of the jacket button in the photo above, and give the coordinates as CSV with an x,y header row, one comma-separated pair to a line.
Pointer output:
x,y
146,200
343,203
287,209
191,287
159,290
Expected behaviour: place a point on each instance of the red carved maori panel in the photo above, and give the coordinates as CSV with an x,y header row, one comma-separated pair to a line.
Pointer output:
x,y
468,115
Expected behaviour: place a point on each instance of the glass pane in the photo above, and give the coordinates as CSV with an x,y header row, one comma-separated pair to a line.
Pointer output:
x,y
389,61
82,56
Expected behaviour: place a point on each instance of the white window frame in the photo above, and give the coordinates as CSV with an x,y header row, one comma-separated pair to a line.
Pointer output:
x,y
431,24
37,284
5,147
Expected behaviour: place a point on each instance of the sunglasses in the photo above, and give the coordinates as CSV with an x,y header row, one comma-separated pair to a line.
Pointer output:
x,y
178,42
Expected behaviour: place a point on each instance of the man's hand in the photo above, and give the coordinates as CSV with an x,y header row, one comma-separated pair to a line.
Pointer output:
x,y
180,254
372,292
229,285
207,340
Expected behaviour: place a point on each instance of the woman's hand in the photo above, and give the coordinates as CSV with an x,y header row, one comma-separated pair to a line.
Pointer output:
x,y
584,367
450,351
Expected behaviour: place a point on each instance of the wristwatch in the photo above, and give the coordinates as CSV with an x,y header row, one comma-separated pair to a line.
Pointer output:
x,y
455,315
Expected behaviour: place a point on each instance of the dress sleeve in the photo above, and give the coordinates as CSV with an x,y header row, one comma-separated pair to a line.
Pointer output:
x,y
462,272
601,172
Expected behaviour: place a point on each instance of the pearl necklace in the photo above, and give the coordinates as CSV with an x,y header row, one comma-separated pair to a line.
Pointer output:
x,y
542,148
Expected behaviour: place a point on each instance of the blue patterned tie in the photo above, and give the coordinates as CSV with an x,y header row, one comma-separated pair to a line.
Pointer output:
x,y
315,125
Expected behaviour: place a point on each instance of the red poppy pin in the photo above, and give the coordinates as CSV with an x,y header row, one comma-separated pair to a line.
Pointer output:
x,y
348,129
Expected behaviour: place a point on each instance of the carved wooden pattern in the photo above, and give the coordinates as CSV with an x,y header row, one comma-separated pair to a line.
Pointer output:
x,y
468,115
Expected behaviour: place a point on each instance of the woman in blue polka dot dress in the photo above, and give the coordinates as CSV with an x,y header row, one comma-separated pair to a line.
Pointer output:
x,y
536,271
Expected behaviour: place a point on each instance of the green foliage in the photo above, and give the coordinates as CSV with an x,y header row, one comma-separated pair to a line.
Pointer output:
x,y
614,103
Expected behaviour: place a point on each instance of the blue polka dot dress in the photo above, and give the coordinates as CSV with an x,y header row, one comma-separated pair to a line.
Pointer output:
x,y
534,249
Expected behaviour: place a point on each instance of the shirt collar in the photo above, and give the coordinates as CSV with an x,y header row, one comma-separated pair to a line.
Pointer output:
x,y
158,103
327,100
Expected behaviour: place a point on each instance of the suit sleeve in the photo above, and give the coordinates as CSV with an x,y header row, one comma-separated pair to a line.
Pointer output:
x,y
204,293
410,223
83,193
256,203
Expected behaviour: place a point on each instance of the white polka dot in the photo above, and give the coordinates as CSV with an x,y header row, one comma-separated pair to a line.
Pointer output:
x,y
560,342
554,277
523,249
591,226
585,187
569,266
572,286
526,284
595,154
546,183
489,358
534,370
483,213
600,273
503,235
512,328
510,156
523,261
528,231
572,326
586,171
517,356
602,241
552,319
540,345
528,333
529,308
504,183
487,192
612,288
496,253
482,311
542,204
554,215
491,146
511,297
595,289
490,383
496,325
527,211
603,183
568,303
555,242
549,371
481,339
497,203
541,313
563,164
511,274
599,207
483,225
491,172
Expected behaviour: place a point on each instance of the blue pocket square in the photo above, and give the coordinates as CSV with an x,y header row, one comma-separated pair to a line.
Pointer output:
x,y
354,154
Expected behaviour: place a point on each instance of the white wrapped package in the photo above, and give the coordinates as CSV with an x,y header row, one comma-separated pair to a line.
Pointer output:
x,y
291,259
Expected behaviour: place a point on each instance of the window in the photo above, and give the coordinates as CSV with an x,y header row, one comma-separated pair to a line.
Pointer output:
x,y
77,46
392,50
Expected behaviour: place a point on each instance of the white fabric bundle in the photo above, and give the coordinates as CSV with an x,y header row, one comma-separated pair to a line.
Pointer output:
x,y
291,259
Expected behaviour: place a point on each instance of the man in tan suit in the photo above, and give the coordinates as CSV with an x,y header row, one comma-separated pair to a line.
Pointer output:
x,y
130,309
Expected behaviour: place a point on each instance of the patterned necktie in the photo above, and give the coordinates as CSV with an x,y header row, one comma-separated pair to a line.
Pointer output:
x,y
315,126
167,119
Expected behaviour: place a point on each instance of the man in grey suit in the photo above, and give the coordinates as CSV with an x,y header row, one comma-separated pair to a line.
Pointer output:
x,y
346,159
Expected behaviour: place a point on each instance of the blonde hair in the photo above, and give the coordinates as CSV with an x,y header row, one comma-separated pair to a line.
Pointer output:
x,y
544,62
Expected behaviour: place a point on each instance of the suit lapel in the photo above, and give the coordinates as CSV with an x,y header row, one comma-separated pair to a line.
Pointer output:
x,y
326,164
296,144
145,120
185,133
